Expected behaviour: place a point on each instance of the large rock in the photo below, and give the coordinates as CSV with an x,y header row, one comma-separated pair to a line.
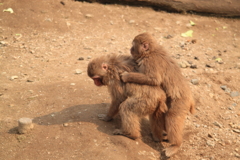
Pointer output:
x,y
230,8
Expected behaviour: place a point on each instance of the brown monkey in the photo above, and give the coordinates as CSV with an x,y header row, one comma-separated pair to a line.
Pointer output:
x,y
132,101
157,68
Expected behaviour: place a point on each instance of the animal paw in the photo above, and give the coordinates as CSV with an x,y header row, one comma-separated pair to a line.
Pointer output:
x,y
104,117
117,132
124,76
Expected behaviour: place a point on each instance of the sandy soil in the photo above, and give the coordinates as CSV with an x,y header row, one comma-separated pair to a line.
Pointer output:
x,y
40,46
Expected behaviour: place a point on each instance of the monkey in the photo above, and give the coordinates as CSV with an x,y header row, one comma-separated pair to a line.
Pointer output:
x,y
157,68
131,101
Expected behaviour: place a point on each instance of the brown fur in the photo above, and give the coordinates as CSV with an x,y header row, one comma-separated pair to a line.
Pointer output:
x,y
157,68
132,101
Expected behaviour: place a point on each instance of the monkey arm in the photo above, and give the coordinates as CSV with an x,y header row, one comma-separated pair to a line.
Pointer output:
x,y
113,110
139,78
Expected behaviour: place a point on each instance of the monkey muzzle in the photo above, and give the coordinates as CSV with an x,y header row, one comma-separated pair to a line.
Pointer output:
x,y
97,80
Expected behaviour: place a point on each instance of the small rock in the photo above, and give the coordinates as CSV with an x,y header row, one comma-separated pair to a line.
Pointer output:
x,y
62,2
3,43
209,135
210,143
195,81
234,94
236,130
234,104
72,84
210,65
217,124
231,108
89,57
193,66
65,124
196,58
131,21
78,71
237,155
80,58
184,64
29,80
89,15
32,52
194,41
14,77
223,87
182,44
211,95
169,36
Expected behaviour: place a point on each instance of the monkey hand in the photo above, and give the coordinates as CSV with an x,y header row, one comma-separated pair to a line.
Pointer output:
x,y
124,76
104,117
117,132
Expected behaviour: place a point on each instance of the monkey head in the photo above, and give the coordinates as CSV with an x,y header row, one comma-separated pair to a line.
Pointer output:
x,y
142,45
97,70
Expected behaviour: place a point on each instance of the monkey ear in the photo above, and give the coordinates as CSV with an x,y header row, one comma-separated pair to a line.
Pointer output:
x,y
104,66
145,46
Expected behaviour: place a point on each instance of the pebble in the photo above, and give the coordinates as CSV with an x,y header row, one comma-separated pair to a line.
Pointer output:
x,y
234,94
14,77
89,57
217,124
210,65
223,87
72,84
234,104
210,143
169,36
29,80
236,130
65,124
196,58
131,21
193,66
209,135
184,64
237,155
78,71
80,58
231,108
195,81
89,15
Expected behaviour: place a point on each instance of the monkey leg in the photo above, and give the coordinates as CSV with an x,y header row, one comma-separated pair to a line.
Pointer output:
x,y
131,110
174,122
113,110
157,127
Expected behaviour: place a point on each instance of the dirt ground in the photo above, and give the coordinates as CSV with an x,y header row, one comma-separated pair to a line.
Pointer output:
x,y
42,77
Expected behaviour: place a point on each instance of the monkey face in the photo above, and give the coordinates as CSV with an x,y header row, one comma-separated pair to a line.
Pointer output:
x,y
97,71
134,50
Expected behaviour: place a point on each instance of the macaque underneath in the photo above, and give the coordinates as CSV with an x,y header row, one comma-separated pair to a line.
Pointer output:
x,y
132,101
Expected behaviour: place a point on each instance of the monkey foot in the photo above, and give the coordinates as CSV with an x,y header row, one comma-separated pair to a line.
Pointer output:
x,y
104,117
120,132
171,150
117,132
